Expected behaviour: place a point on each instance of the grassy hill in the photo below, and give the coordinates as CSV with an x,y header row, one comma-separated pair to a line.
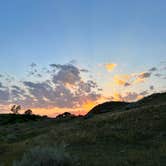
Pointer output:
x,y
133,137
116,106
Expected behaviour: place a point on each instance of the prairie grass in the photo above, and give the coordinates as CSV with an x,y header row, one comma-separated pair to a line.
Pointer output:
x,y
131,138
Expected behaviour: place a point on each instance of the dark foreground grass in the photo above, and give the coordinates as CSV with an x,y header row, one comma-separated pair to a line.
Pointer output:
x,y
132,138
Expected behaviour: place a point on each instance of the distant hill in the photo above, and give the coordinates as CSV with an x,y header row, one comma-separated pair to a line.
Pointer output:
x,y
154,99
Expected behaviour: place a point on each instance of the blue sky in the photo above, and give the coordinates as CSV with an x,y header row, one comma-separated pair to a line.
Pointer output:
x,y
60,30
129,33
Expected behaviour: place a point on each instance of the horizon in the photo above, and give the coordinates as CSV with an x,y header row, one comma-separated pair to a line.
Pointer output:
x,y
77,113
59,56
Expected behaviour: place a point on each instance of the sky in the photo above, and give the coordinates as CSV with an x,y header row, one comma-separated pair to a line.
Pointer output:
x,y
61,55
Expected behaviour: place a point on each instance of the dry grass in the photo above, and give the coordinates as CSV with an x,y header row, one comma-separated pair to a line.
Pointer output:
x,y
132,138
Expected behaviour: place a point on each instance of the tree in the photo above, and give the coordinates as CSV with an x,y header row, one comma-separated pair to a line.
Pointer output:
x,y
15,109
28,112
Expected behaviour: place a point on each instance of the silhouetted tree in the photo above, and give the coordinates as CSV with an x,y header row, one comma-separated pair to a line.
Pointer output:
x,y
28,112
15,109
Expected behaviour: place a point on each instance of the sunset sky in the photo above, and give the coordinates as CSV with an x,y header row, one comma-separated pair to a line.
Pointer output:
x,y
69,55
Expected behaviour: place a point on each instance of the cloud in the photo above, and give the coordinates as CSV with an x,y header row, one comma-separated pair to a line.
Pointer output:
x,y
134,96
33,71
117,97
129,96
1,86
65,89
151,87
144,93
110,66
32,65
130,79
66,74
122,80
4,95
144,75
158,75
84,70
141,77
152,69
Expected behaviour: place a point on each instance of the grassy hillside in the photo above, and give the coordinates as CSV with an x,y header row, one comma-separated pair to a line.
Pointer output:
x,y
134,137
116,106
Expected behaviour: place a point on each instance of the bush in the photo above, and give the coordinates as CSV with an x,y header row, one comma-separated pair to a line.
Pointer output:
x,y
47,156
28,112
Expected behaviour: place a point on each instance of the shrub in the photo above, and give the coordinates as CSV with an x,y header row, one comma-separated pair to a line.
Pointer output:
x,y
47,156
28,112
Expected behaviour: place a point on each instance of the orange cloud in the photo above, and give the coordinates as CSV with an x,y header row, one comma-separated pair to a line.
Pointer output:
x,y
117,97
110,66
141,77
122,80
131,79
138,80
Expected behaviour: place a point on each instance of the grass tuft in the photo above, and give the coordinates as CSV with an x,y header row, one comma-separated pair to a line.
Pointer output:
x,y
45,156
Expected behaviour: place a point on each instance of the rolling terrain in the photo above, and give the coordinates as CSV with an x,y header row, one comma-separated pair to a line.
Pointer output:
x,y
111,134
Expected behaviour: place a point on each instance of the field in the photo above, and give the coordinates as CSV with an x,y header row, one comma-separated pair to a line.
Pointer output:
x,y
134,137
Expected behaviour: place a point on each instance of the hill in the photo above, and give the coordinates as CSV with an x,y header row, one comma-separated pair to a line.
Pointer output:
x,y
134,137
112,106
107,107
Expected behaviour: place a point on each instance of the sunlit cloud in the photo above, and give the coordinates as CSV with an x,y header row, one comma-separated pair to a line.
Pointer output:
x,y
66,87
110,66
131,79
144,75
122,80
117,96
129,96
132,96
141,77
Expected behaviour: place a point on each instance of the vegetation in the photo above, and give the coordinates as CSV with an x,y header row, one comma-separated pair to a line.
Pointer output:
x,y
7,119
48,156
28,112
134,136
15,109
66,115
